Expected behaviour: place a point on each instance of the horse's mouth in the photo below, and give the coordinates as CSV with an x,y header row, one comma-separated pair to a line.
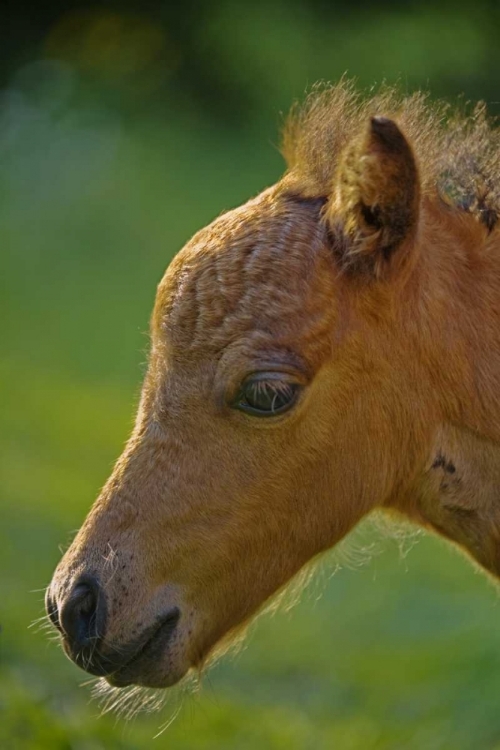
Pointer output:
x,y
138,662
142,668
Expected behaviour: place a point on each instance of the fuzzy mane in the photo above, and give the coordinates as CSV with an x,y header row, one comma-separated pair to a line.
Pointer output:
x,y
457,148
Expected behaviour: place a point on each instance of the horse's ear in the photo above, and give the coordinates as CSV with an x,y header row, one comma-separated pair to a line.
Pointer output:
x,y
375,201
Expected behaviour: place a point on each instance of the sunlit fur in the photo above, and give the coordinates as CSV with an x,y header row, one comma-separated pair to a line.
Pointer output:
x,y
370,276
458,151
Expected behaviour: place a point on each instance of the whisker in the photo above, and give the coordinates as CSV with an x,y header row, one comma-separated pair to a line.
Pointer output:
x,y
40,620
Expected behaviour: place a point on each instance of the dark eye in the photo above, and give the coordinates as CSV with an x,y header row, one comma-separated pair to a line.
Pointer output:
x,y
267,394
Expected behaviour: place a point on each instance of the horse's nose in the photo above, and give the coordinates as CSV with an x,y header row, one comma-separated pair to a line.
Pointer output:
x,y
81,614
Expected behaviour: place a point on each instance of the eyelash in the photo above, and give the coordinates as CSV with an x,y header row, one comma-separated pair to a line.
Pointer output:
x,y
276,387
275,393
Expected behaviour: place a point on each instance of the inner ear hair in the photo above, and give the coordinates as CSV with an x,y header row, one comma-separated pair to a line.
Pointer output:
x,y
376,194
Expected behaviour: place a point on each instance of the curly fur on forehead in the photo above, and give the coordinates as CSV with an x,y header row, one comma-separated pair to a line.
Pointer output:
x,y
457,150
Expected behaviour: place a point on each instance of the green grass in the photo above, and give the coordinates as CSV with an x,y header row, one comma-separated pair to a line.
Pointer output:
x,y
401,652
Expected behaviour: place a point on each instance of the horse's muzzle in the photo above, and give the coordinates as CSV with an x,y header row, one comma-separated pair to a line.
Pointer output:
x,y
81,618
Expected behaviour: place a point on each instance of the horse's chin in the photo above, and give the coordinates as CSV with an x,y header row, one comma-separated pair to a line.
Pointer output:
x,y
153,676
164,671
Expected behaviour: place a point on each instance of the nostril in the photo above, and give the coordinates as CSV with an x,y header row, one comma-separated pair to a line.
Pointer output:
x,y
78,615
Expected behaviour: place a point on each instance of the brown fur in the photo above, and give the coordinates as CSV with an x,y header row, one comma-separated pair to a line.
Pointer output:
x,y
370,278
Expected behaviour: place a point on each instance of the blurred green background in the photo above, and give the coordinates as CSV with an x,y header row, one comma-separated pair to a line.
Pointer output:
x,y
124,127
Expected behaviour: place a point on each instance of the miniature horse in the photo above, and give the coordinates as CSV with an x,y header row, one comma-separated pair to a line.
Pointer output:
x,y
328,348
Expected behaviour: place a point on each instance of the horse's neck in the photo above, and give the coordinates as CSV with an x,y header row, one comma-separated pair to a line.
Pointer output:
x,y
452,316
457,492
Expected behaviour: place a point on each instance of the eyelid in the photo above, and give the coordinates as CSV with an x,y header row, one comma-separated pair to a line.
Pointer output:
x,y
274,375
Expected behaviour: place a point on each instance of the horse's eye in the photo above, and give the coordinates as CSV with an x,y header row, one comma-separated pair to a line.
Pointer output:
x,y
267,394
